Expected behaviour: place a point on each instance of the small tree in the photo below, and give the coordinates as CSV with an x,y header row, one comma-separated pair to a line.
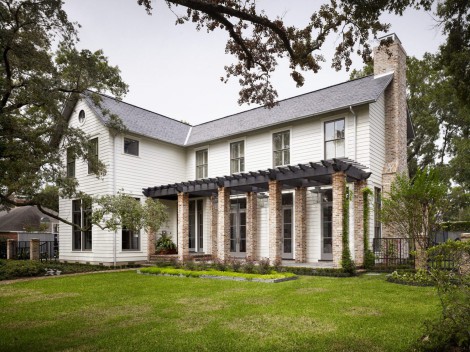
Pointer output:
x,y
414,208
123,211
369,258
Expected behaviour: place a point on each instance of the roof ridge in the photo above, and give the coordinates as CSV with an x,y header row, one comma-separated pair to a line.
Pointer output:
x,y
293,97
141,108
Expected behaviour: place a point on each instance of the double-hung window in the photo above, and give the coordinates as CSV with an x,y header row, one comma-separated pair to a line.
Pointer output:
x,y
93,155
201,163
334,139
70,163
81,216
130,239
237,157
281,148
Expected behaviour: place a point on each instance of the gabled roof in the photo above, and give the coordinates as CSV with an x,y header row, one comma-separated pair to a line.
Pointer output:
x,y
141,121
144,122
25,216
350,93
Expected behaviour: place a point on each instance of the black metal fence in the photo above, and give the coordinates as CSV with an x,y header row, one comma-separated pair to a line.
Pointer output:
x,y
49,250
20,250
3,249
393,252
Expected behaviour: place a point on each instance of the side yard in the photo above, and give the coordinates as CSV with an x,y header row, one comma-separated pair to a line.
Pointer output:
x,y
129,312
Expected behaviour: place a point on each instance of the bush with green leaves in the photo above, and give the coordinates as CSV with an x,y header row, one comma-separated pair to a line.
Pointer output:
x,y
164,243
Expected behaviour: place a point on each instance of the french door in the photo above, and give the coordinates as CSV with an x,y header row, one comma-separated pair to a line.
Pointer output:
x,y
238,227
327,225
287,226
196,226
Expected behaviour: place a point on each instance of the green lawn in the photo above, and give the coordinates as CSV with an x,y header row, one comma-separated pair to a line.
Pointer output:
x,y
128,312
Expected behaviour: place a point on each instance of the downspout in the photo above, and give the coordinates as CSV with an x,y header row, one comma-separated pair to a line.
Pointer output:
x,y
114,193
355,131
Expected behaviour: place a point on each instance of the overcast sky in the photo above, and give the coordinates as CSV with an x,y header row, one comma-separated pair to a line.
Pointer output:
x,y
175,70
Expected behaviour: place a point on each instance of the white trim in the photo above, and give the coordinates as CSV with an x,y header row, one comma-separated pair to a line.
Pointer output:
x,y
188,135
384,74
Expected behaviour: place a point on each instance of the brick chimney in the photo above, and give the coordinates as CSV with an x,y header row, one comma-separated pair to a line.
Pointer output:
x,y
392,58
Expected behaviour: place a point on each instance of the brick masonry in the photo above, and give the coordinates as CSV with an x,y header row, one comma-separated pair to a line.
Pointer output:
x,y
213,225
393,59
251,225
300,216
183,226
338,181
275,220
223,224
358,222
34,245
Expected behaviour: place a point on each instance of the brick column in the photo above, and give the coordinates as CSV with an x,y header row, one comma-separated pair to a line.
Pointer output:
x,y
275,221
251,225
183,226
223,224
338,180
300,216
359,222
213,225
34,244
11,248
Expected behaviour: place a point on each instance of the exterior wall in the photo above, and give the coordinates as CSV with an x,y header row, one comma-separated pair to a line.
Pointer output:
x,y
157,163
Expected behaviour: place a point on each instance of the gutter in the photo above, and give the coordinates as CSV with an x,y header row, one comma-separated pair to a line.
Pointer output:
x,y
355,131
114,193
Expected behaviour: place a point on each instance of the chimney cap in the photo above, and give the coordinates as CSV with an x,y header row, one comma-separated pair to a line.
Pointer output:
x,y
393,36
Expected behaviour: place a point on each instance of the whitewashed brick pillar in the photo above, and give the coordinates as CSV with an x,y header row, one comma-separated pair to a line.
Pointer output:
x,y
183,226
251,225
223,224
338,181
275,221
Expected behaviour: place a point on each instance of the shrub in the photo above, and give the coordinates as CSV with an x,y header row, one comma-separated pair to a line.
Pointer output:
x,y
249,266
235,264
263,266
219,265
165,244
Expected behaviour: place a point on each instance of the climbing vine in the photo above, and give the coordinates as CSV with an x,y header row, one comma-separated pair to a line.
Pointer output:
x,y
346,262
369,258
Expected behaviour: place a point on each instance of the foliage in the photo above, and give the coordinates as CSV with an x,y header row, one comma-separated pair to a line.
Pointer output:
x,y
123,211
347,263
451,331
414,207
455,226
12,269
165,243
331,272
421,277
36,84
199,273
263,266
369,258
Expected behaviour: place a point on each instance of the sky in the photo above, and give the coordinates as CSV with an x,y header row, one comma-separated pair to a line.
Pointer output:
x,y
175,70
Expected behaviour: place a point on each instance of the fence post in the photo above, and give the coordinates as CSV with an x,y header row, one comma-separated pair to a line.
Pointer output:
x,y
34,249
11,248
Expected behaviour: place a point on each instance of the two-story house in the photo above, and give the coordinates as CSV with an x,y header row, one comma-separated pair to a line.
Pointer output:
x,y
264,183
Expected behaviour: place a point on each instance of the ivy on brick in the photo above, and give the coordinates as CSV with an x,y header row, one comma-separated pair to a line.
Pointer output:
x,y
369,258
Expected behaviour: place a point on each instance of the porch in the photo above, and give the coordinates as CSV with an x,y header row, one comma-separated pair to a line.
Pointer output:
x,y
233,230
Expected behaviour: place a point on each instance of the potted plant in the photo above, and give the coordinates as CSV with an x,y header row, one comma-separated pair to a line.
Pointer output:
x,y
165,245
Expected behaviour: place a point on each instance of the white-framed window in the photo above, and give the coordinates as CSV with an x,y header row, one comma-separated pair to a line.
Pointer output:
x,y
81,116
130,240
237,157
131,146
201,163
93,154
281,148
334,139
81,216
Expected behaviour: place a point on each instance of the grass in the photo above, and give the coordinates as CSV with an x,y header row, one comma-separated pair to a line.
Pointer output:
x,y
211,272
129,312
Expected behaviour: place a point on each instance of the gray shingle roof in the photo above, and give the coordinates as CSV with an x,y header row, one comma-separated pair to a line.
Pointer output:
x,y
143,122
351,93
19,217
356,92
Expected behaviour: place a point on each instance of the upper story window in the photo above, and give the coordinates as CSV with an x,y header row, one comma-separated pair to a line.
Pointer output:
x,y
281,148
201,163
81,116
237,157
81,216
131,146
70,163
334,139
93,154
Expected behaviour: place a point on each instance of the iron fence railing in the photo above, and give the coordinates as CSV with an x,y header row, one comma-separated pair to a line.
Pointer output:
x,y
3,249
393,251
20,250
49,250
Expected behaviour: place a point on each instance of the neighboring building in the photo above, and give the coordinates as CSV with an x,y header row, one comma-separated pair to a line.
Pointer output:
x,y
27,222
262,183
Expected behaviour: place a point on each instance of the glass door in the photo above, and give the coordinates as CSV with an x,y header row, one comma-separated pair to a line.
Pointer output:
x,y
327,225
196,226
238,227
287,226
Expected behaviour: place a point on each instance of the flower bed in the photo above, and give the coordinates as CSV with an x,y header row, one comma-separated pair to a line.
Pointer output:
x,y
216,274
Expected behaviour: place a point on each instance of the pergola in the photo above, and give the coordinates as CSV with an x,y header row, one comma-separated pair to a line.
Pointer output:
x,y
333,172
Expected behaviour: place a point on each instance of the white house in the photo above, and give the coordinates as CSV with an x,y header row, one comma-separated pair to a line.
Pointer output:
x,y
260,184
